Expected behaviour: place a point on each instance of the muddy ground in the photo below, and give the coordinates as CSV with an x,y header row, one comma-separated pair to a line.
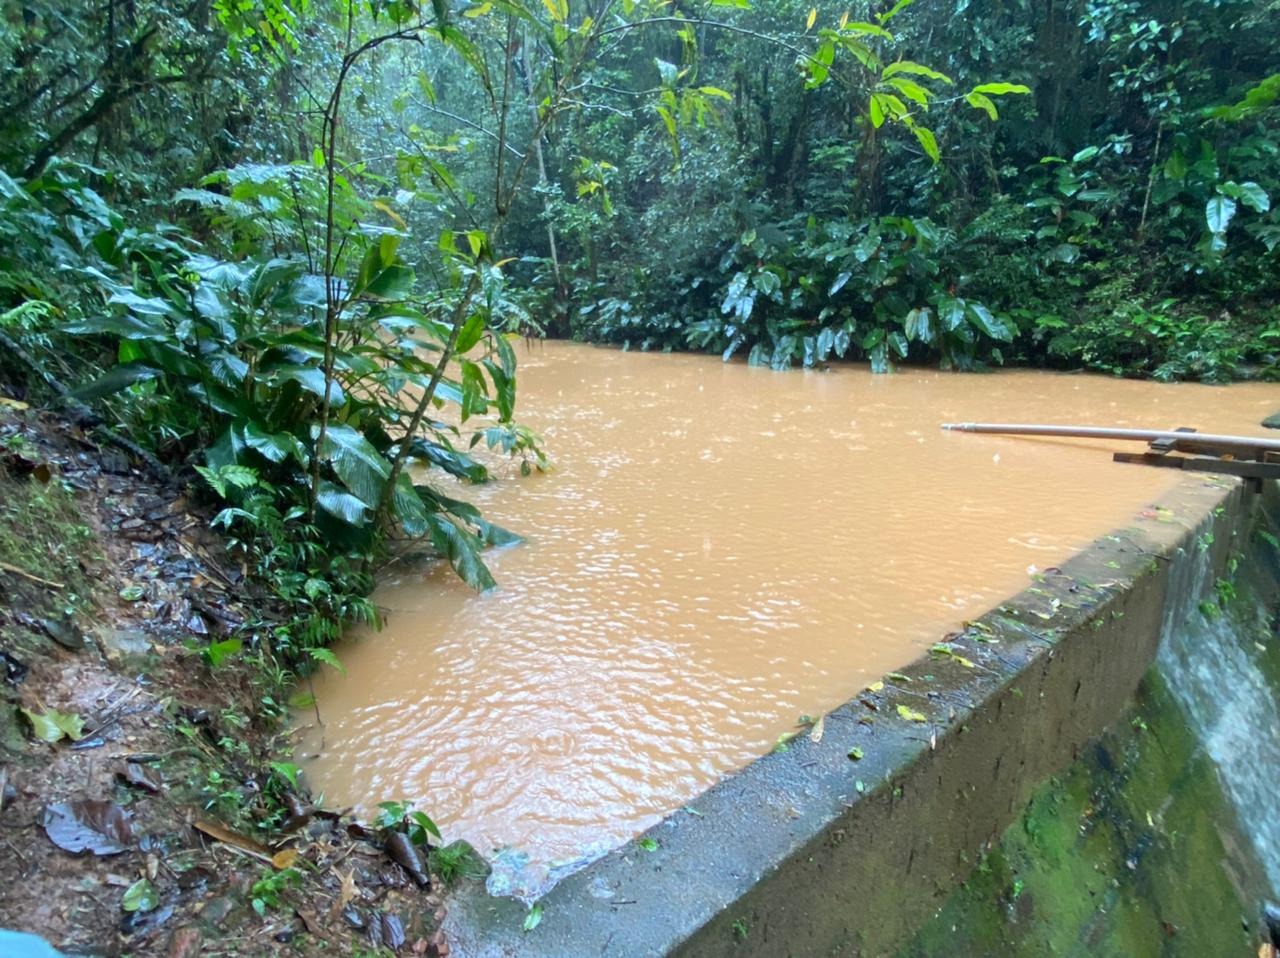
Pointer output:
x,y
148,804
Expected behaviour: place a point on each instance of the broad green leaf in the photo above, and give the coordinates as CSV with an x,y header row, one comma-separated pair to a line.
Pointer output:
x,y
450,460
532,920
918,326
928,142
475,399
896,9
877,111
275,447
1218,213
917,69
559,9
362,469
1001,89
218,652
471,333
983,318
868,29
140,896
951,312
819,64
910,714
879,356
423,821
341,505
462,549
1250,194
310,378
911,90
983,102
117,378
52,726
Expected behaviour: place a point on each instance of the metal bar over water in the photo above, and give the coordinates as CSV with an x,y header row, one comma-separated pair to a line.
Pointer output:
x,y
1181,440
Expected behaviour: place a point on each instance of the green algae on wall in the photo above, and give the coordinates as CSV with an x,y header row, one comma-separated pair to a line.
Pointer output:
x,y
1133,853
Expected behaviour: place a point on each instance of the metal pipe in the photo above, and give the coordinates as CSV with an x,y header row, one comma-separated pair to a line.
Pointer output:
x,y
1200,439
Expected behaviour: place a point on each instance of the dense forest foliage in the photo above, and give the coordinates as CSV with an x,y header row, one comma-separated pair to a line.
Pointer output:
x,y
288,246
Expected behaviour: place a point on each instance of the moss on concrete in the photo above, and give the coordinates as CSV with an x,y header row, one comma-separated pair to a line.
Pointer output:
x,y
1132,853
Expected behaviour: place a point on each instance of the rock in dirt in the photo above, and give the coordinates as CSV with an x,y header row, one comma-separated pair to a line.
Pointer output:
x,y
64,632
118,645
88,824
1272,421
185,942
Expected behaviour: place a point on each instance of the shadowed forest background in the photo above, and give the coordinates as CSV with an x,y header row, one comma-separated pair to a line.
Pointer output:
x,y
287,247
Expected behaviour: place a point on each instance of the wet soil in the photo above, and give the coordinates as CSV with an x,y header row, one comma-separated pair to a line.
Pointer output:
x,y
111,587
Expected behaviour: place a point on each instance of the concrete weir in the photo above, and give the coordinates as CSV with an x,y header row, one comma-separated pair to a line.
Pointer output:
x,y
808,851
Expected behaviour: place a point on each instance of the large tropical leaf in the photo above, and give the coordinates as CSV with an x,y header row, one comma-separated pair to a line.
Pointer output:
x,y
276,447
341,505
450,460
462,549
115,379
362,469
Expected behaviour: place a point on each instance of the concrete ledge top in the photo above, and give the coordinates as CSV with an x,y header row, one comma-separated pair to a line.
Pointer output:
x,y
807,851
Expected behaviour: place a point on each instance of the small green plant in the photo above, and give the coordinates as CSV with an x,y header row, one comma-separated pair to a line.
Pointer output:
x,y
740,929
456,861
399,816
268,891
221,794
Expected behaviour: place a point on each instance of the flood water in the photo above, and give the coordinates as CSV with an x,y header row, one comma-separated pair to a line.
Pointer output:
x,y
717,551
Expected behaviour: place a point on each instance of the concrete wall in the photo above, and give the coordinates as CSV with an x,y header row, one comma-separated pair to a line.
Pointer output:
x,y
807,852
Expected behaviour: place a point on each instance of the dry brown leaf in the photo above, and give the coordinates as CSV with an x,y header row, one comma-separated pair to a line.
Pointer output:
x,y
346,894
284,858
228,837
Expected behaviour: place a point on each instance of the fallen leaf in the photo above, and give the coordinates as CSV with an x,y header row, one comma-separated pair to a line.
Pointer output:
x,y
405,853
910,714
348,892
534,918
140,896
392,931
52,726
132,593
311,921
228,837
818,728
648,844
284,858
88,824
856,754
143,776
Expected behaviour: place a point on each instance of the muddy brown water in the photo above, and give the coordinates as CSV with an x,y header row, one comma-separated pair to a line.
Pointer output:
x,y
717,551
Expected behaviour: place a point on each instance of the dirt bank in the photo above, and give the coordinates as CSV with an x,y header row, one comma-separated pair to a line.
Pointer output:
x,y
149,805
